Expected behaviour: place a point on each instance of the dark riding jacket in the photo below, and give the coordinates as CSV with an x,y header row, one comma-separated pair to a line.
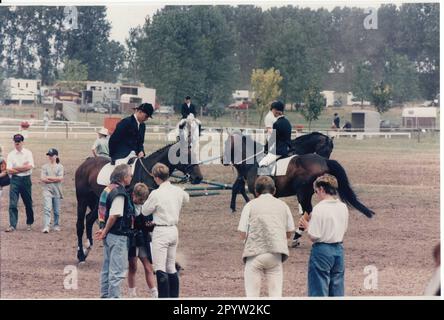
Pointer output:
x,y
126,138
185,110
282,129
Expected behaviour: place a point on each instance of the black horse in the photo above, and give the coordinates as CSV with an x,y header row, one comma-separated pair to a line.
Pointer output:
x,y
314,142
302,171
88,191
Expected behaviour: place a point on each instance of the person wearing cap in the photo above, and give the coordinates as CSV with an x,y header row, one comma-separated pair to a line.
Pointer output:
x,y
280,140
326,227
19,165
129,134
187,108
100,147
52,177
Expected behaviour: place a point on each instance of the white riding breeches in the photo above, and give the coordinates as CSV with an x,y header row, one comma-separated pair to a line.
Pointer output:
x,y
164,246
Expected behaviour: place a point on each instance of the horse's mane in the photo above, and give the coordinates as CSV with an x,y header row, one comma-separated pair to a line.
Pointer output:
x,y
161,150
307,136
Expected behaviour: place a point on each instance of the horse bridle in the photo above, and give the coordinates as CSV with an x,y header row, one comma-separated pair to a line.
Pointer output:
x,y
186,177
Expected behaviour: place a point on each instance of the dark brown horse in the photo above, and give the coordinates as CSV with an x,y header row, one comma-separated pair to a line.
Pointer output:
x,y
301,173
88,191
314,142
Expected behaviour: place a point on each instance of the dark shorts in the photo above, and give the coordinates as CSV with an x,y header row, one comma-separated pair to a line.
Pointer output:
x,y
141,252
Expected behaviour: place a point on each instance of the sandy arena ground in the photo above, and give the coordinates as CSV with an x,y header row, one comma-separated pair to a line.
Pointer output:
x,y
397,178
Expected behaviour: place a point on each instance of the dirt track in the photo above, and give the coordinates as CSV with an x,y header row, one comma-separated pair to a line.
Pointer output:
x,y
400,183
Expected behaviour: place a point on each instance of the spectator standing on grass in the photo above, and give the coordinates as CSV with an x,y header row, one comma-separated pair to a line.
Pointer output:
x,y
19,165
326,228
52,178
100,147
265,224
141,246
165,204
336,121
116,217
46,119
4,178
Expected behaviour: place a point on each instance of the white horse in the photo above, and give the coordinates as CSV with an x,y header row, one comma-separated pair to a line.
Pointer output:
x,y
189,136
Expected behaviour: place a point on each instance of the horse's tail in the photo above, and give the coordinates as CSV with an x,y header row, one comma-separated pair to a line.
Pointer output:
x,y
344,188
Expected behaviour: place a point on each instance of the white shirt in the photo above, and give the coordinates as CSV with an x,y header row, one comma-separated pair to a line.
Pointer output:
x,y
329,221
138,123
165,204
18,159
117,206
245,215
269,120
137,209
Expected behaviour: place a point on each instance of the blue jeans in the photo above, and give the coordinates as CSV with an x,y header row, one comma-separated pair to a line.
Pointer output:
x,y
50,203
326,270
115,265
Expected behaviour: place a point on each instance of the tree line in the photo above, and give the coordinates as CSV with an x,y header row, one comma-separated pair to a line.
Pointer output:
x,y
208,51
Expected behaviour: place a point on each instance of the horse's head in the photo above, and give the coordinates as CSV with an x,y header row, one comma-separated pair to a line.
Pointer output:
x,y
191,171
170,155
325,147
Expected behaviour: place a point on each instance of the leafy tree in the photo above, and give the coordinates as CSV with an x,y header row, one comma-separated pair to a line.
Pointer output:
x,y
188,50
402,77
248,26
132,68
74,73
2,87
89,44
314,104
381,96
266,87
295,45
363,83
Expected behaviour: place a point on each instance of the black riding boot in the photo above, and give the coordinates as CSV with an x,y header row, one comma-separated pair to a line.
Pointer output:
x,y
163,284
173,279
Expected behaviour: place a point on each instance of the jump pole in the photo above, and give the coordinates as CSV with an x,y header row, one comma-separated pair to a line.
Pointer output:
x,y
200,194
203,188
221,185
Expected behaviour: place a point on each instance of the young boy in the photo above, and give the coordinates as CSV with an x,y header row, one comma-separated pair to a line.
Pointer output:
x,y
141,248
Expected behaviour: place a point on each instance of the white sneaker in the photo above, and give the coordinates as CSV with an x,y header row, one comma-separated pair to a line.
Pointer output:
x,y
132,293
57,228
154,293
45,230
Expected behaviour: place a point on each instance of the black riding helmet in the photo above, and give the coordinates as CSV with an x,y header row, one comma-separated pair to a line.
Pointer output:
x,y
278,105
146,108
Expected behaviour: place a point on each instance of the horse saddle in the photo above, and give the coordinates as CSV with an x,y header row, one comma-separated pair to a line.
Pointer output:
x,y
103,178
277,168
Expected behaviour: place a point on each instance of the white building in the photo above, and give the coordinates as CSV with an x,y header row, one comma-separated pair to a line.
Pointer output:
x,y
103,91
21,90
242,95
132,95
